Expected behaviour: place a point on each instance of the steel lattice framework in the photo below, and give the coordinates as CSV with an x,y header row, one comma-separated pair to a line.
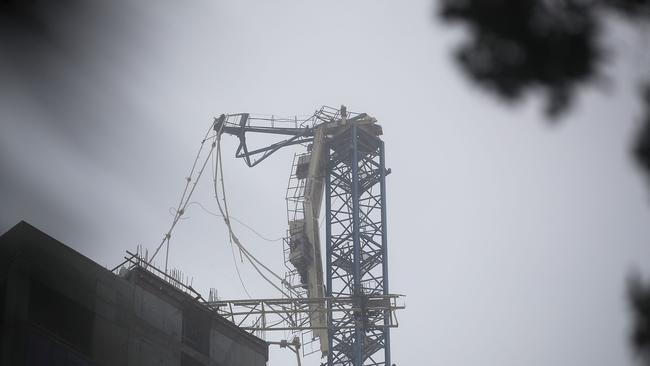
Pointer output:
x,y
356,248
357,311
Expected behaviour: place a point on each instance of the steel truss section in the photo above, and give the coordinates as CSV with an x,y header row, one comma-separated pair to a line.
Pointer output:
x,y
285,314
356,247
293,314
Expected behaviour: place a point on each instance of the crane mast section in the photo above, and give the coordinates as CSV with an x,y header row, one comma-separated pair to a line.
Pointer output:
x,y
356,245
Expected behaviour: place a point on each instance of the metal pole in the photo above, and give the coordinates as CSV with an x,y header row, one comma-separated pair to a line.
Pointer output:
x,y
328,247
384,244
297,356
167,255
354,163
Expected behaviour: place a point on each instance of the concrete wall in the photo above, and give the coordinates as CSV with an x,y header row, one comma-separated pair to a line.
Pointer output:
x,y
59,307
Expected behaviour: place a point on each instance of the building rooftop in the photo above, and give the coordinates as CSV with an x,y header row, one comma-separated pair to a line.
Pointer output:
x,y
56,304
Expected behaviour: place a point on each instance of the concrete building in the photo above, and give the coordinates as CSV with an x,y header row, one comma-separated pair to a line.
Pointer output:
x,y
58,307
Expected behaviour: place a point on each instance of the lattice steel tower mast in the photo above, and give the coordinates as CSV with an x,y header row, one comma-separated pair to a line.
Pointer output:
x,y
356,254
353,311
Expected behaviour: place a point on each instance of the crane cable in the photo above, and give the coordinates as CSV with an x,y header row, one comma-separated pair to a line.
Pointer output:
x,y
226,218
233,218
233,237
232,248
184,202
185,198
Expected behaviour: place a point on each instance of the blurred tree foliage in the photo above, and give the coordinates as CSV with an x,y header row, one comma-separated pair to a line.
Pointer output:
x,y
551,46
639,294
642,149
515,46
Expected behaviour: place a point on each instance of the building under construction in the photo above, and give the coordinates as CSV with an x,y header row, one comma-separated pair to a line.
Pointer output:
x,y
58,307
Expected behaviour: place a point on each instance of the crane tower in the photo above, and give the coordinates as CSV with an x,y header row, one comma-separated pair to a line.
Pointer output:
x,y
347,306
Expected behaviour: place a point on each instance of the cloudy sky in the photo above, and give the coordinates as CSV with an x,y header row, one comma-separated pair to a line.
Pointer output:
x,y
511,237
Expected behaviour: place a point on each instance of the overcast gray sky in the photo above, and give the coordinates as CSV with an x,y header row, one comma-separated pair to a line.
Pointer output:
x,y
511,237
